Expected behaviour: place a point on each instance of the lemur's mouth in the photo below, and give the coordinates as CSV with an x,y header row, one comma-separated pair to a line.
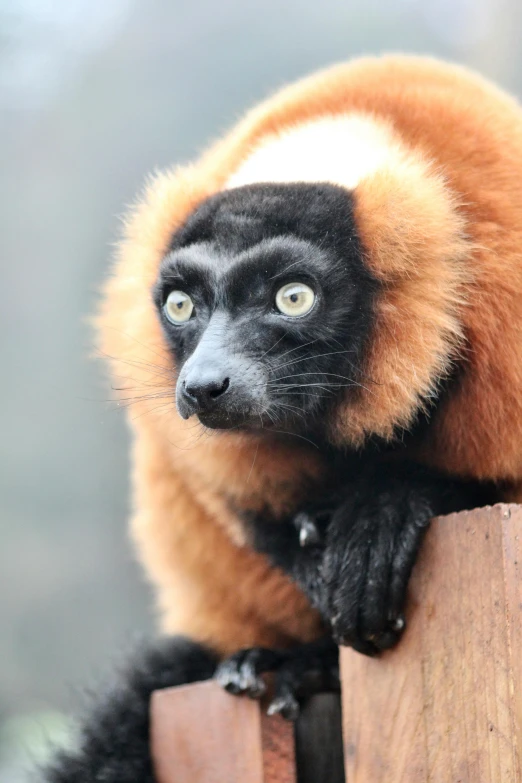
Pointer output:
x,y
223,420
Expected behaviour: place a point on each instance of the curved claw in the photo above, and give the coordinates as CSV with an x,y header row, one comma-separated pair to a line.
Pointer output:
x,y
398,624
300,672
285,705
241,674
308,531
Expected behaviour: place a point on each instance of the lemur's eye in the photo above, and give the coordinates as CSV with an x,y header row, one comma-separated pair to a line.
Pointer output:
x,y
295,299
178,307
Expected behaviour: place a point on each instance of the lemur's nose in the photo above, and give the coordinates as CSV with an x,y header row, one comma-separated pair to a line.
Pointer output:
x,y
203,391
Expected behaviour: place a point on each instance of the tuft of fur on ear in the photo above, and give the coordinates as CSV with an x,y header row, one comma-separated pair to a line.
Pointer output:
x,y
415,245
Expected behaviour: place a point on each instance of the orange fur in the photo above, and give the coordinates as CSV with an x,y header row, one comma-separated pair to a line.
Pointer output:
x,y
213,589
415,245
441,227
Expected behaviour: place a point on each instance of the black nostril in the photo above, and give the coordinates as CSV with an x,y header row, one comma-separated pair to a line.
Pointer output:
x,y
203,393
217,392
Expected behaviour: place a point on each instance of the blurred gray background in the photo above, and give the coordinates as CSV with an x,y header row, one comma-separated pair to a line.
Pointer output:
x,y
93,95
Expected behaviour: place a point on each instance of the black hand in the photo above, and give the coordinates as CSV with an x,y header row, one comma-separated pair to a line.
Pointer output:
x,y
352,550
370,545
300,672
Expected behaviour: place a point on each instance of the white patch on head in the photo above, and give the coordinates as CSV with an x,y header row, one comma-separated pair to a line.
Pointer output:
x,y
342,150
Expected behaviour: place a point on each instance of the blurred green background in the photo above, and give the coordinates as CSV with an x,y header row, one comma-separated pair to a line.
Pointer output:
x,y
93,95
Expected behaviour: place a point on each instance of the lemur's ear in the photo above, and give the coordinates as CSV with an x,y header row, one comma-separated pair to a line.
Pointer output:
x,y
413,240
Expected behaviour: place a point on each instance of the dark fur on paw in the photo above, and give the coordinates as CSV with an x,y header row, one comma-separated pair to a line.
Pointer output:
x,y
299,673
367,579
352,548
370,548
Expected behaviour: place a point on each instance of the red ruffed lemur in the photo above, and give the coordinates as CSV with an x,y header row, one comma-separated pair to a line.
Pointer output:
x,y
319,327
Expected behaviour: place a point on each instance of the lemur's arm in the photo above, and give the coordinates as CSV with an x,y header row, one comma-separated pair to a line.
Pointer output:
x,y
114,740
352,551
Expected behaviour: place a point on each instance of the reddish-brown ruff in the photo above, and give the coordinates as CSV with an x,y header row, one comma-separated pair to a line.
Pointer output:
x,y
438,193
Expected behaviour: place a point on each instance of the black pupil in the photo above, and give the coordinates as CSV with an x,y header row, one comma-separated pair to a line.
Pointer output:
x,y
294,297
179,305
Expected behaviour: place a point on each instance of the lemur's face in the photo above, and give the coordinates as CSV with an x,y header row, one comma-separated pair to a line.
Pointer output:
x,y
266,304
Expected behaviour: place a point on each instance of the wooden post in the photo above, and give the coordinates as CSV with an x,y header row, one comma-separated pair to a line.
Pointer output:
x,y
446,705
200,734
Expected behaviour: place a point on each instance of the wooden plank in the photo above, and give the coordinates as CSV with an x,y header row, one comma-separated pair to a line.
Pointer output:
x,y
200,734
446,705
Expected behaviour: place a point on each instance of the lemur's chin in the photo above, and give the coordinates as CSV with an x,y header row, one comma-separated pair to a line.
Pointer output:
x,y
224,420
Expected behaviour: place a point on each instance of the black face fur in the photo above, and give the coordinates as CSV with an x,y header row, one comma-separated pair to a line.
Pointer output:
x,y
241,362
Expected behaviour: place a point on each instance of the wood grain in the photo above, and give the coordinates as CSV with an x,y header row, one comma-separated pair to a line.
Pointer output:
x,y
446,705
200,734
